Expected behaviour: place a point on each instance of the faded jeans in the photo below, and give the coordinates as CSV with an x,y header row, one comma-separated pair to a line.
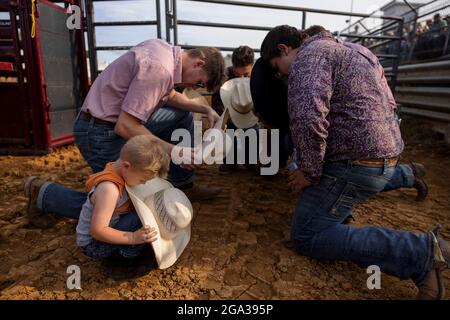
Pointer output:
x,y
317,229
101,250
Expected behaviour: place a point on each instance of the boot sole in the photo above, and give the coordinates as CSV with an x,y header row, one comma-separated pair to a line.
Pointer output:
x,y
441,295
420,199
27,185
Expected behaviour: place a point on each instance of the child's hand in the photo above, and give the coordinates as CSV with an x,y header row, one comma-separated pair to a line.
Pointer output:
x,y
144,235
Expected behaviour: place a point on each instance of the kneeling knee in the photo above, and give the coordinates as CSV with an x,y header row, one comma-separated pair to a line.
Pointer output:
x,y
302,244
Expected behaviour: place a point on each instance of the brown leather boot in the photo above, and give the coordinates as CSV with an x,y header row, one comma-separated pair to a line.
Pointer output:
x,y
432,287
196,192
419,183
36,217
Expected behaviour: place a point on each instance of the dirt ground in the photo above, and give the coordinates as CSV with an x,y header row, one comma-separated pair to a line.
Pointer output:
x,y
240,245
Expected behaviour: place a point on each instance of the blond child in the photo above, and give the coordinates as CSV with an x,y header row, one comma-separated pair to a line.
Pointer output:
x,y
142,158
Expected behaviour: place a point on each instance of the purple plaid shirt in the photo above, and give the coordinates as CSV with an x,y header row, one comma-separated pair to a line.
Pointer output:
x,y
340,105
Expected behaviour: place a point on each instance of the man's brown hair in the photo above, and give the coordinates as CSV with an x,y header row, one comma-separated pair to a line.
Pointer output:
x,y
287,35
243,56
214,66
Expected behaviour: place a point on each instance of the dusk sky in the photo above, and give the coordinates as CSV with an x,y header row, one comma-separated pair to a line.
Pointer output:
x,y
189,10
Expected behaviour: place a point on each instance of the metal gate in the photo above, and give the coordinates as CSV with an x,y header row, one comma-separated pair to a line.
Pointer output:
x,y
173,22
43,78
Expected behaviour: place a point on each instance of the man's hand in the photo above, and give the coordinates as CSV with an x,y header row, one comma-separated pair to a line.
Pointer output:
x,y
144,235
297,180
213,117
187,156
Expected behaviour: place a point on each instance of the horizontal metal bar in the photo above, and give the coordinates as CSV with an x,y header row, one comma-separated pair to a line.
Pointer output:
x,y
111,48
433,91
360,36
423,102
423,79
425,66
387,56
186,46
389,74
125,23
379,44
115,0
441,116
290,8
222,25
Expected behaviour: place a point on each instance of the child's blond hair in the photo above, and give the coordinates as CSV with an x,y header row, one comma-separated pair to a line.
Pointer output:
x,y
146,154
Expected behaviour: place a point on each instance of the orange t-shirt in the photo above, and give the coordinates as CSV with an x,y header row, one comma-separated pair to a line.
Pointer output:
x,y
108,174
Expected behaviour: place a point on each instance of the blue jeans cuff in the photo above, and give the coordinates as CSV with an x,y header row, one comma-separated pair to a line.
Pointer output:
x,y
428,262
41,195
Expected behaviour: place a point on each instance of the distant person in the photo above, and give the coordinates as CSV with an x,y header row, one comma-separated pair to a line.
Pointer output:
x,y
242,60
355,30
343,125
428,25
439,25
419,29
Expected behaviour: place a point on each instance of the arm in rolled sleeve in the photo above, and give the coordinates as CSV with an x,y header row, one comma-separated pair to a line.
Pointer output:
x,y
310,91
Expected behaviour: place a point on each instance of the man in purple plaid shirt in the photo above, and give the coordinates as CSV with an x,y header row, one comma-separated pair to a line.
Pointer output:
x,y
348,141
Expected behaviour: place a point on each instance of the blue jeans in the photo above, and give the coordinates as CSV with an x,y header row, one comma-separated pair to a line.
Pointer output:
x,y
101,250
99,144
317,229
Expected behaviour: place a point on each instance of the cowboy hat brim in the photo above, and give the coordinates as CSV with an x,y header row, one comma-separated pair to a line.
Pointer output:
x,y
240,120
166,251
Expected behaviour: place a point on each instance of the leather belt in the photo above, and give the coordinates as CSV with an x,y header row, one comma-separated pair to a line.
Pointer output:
x,y
376,163
88,117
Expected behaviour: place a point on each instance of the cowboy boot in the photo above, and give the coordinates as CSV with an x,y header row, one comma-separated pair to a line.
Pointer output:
x,y
196,193
36,217
419,183
432,286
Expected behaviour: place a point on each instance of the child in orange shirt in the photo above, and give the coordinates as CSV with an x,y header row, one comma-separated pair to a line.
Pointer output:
x,y
141,159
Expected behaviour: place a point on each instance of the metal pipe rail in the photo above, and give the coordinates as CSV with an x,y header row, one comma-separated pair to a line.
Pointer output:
x,y
125,23
223,25
91,25
172,22
187,46
424,90
299,9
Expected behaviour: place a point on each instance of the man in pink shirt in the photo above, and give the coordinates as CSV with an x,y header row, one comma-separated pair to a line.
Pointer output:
x,y
126,100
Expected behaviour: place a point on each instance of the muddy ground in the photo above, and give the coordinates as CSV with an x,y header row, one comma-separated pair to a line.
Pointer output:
x,y
240,246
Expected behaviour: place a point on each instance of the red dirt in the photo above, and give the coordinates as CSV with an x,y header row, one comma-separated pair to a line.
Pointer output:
x,y
239,249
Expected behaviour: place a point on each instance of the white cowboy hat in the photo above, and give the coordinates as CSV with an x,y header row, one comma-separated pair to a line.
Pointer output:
x,y
236,97
216,143
167,209
196,97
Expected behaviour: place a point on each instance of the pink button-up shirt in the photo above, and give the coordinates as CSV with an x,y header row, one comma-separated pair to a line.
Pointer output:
x,y
138,82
